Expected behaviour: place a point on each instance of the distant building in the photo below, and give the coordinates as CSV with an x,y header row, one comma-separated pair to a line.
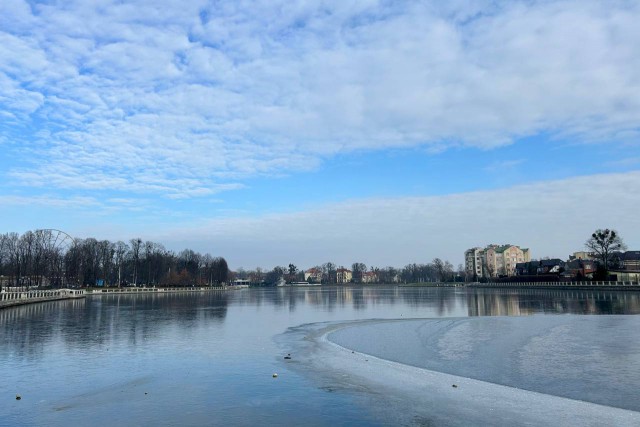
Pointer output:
x,y
551,266
630,261
473,263
369,277
535,268
343,276
579,269
629,268
582,255
313,275
494,260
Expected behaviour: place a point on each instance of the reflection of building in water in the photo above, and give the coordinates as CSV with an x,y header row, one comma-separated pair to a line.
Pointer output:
x,y
345,294
494,304
528,301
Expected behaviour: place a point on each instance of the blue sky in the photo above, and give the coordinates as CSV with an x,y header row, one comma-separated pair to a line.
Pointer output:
x,y
275,131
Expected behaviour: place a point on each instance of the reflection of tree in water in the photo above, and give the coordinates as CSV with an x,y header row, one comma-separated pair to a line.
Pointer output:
x,y
442,299
359,297
26,330
516,302
359,302
149,314
101,321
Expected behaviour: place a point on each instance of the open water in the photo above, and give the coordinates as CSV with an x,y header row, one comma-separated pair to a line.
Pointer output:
x,y
208,358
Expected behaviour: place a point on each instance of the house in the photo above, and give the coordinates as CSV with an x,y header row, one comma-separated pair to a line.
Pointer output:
x,y
527,268
582,255
629,267
630,261
343,275
313,275
579,269
550,266
369,277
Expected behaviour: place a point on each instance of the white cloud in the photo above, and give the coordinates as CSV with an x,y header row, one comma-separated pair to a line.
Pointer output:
x,y
502,165
49,202
553,218
177,98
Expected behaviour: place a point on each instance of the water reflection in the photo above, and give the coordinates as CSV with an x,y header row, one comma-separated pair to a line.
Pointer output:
x,y
103,321
477,302
522,302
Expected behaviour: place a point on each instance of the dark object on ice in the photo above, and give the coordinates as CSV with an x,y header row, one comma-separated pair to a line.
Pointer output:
x,y
454,386
288,356
18,397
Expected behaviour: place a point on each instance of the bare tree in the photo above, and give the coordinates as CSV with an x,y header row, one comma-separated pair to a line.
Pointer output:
x,y
135,255
120,251
604,244
488,269
329,273
358,269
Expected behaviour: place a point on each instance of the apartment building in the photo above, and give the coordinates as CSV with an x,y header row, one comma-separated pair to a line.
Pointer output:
x,y
473,262
495,260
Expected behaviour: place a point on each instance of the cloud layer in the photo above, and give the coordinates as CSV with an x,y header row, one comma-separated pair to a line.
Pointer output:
x,y
552,218
186,99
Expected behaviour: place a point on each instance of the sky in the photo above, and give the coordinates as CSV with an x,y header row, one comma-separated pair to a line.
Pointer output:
x,y
276,132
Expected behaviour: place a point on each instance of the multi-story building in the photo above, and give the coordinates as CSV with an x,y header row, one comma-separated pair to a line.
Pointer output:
x,y
495,260
501,260
473,263
343,275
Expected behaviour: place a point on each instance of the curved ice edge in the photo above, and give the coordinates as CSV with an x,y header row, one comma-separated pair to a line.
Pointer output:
x,y
430,394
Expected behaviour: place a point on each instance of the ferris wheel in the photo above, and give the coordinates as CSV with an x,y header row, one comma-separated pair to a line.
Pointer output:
x,y
54,245
54,241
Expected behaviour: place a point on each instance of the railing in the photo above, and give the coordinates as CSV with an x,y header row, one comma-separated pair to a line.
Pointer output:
x,y
153,290
596,283
11,297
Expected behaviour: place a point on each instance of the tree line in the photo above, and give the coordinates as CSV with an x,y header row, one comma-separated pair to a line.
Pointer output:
x,y
31,259
434,271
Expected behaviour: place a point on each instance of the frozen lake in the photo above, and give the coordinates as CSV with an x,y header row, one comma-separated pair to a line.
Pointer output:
x,y
591,358
202,359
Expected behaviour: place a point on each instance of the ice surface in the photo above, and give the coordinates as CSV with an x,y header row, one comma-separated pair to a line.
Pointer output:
x,y
402,394
593,358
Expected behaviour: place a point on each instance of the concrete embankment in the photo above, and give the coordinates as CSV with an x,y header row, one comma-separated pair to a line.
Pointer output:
x,y
11,299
